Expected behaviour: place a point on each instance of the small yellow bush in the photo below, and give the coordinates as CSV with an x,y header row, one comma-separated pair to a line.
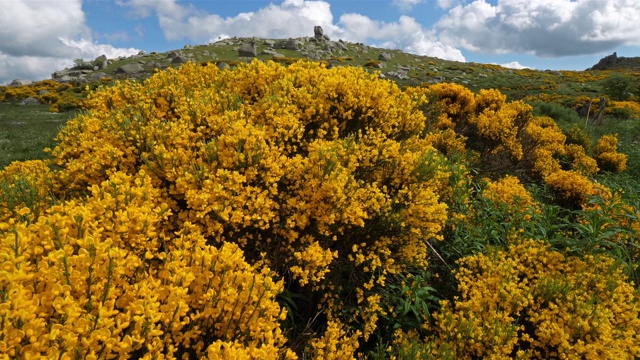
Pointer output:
x,y
607,155
512,193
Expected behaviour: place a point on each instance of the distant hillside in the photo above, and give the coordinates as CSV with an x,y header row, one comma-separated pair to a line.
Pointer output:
x,y
615,62
568,88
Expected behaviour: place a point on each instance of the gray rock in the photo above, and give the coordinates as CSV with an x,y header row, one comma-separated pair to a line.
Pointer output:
x,y
179,60
380,65
269,42
30,101
64,79
96,76
42,92
223,66
173,53
341,45
398,74
384,56
292,44
268,52
131,68
155,65
101,62
19,82
317,31
248,49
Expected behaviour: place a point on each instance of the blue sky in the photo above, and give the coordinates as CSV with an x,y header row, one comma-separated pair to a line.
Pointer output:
x,y
38,37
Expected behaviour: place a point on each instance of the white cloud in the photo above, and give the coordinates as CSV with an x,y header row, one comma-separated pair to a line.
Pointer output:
x,y
515,65
39,37
292,18
89,50
406,4
445,4
406,34
547,28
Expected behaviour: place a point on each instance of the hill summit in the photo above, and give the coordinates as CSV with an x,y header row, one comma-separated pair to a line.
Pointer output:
x,y
614,61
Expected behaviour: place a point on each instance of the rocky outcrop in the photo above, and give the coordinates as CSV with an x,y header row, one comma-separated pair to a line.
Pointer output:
x,y
316,47
606,62
614,61
18,82
385,56
131,68
101,62
248,49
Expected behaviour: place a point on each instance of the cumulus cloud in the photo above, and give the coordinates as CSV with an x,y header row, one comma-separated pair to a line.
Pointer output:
x,y
514,65
546,28
406,4
445,4
406,34
39,37
293,18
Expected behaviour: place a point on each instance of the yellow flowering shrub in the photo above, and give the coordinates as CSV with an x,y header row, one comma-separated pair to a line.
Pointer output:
x,y
335,343
80,282
607,155
632,106
544,144
572,189
508,138
499,125
510,192
272,211
580,160
453,106
530,302
321,174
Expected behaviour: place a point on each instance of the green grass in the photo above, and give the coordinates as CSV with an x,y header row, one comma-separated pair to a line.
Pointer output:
x,y
25,131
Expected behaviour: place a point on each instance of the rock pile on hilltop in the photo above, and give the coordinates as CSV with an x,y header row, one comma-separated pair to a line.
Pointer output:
x,y
614,61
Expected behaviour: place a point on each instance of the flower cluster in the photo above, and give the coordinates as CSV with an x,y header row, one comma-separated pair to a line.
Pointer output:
x,y
530,302
90,279
508,138
607,155
510,192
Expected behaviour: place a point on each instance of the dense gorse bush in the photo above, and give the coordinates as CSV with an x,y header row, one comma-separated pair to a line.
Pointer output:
x,y
282,212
